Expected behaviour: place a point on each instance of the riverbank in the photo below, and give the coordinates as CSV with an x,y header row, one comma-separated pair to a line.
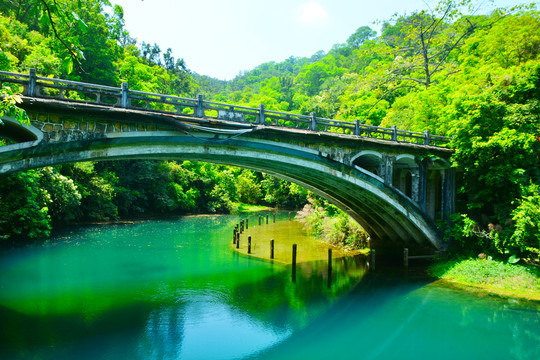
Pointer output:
x,y
489,276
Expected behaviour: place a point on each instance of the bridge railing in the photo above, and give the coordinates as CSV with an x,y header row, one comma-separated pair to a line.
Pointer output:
x,y
122,97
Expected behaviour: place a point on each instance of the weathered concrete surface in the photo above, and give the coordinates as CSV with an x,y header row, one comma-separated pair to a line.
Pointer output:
x,y
329,165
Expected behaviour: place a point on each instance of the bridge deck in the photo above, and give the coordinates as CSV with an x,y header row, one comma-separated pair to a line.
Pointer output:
x,y
34,86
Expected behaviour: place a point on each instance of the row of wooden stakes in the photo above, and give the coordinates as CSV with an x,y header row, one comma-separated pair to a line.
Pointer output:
x,y
244,224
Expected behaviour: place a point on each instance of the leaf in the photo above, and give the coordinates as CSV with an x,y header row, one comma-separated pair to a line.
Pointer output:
x,y
80,23
513,259
45,20
67,63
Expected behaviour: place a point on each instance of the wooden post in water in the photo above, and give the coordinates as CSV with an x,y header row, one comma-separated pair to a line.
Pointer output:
x,y
294,263
249,244
272,249
238,241
259,220
372,261
406,257
247,223
234,236
274,217
329,268
266,219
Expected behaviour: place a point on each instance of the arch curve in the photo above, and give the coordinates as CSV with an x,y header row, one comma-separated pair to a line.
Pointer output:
x,y
12,129
392,220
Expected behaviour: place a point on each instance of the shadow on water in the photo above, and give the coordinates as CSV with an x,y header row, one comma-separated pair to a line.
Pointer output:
x,y
69,336
278,301
394,313
337,330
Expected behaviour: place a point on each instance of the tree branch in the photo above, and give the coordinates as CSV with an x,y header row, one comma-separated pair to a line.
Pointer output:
x,y
454,45
73,55
412,79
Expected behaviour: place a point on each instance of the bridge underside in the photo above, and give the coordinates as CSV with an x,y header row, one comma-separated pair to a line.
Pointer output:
x,y
326,165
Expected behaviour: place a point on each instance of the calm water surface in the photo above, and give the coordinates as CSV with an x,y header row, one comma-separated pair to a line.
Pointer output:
x,y
174,289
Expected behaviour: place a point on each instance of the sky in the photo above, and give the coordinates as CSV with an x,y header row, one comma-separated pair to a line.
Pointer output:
x,y
222,38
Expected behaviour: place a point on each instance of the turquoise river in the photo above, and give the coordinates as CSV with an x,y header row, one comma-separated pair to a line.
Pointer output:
x,y
175,289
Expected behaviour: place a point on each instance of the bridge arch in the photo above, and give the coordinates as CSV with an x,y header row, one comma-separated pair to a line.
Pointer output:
x,y
369,160
405,168
391,219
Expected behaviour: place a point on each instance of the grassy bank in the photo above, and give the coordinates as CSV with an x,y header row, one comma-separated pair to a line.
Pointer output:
x,y
239,208
491,276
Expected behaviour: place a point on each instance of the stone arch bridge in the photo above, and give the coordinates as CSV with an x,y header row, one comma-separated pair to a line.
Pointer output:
x,y
394,183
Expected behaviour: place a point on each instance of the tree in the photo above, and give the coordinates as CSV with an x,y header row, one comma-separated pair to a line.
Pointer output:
x,y
116,25
24,206
248,187
526,237
283,194
64,195
53,16
360,36
8,106
421,44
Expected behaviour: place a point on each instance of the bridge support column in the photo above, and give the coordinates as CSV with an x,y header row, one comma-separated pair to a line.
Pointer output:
x,y
386,169
419,184
448,193
415,184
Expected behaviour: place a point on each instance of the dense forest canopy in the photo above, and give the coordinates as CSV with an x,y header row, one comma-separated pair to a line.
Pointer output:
x,y
475,77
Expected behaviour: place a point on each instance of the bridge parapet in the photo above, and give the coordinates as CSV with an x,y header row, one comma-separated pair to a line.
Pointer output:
x,y
122,97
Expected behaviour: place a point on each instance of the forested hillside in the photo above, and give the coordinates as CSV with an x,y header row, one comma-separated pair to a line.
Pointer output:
x,y
470,76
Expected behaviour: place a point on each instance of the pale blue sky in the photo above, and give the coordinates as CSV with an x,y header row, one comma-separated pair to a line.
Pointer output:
x,y
220,38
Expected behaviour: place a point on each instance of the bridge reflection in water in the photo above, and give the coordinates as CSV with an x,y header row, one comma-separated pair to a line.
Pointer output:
x,y
394,183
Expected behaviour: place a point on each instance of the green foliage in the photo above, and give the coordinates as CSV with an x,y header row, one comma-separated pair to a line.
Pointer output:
x,y
490,106
468,237
248,187
97,192
8,106
24,206
360,36
283,194
526,217
497,146
64,194
334,226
